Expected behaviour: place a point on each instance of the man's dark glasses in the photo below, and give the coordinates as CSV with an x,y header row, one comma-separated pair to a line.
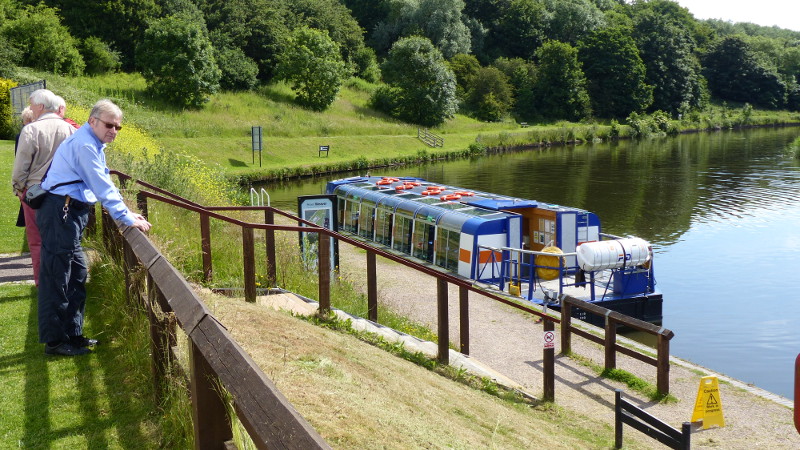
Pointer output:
x,y
109,125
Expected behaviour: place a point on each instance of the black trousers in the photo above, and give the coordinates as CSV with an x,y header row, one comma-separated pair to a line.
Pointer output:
x,y
63,269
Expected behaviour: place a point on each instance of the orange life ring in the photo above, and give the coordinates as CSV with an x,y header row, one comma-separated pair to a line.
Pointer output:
x,y
412,183
426,193
400,188
449,197
383,182
465,193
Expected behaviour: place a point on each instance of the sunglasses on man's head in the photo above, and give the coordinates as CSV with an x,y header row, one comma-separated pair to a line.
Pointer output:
x,y
109,125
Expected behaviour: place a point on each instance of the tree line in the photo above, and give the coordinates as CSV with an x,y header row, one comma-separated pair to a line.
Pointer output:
x,y
534,60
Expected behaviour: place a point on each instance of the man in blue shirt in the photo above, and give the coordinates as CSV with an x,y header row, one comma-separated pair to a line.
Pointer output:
x,y
78,177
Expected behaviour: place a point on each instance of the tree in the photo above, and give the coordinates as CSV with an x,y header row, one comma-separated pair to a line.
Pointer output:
x,y
560,88
615,73
522,76
177,60
257,27
237,71
671,67
422,89
734,74
489,97
571,20
118,23
465,68
314,67
99,57
438,20
521,28
43,42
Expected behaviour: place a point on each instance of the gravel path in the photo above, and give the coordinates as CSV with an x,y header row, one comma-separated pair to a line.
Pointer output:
x,y
510,342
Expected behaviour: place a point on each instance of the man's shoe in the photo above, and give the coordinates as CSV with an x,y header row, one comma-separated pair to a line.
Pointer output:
x,y
65,349
81,341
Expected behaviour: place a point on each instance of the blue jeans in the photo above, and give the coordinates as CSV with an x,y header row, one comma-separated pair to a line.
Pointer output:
x,y
63,269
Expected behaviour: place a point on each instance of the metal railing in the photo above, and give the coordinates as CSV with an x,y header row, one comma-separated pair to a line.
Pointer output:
x,y
429,138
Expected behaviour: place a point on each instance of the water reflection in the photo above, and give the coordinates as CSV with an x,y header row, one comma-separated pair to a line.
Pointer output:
x,y
721,210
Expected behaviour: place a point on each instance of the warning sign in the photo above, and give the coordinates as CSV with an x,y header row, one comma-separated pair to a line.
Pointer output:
x,y
549,339
708,406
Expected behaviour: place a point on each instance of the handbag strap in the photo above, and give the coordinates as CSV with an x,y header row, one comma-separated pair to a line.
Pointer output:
x,y
64,184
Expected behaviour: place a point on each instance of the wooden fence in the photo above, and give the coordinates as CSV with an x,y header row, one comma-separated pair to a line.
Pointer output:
x,y
627,413
215,359
443,281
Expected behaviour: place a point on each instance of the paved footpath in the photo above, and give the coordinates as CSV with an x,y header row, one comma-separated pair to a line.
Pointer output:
x,y
510,343
16,268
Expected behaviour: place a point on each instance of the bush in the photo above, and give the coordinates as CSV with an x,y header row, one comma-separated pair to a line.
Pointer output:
x,y
177,60
9,57
44,43
366,63
99,56
8,127
312,63
239,72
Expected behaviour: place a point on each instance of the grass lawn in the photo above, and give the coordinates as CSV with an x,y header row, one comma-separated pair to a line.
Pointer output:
x,y
12,238
93,401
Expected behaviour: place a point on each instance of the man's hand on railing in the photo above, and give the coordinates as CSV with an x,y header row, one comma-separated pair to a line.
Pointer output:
x,y
141,223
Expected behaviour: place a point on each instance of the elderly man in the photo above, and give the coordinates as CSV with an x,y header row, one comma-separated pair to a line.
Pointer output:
x,y
77,179
37,143
62,111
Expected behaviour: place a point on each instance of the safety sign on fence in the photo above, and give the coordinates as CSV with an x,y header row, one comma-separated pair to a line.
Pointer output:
x,y
708,406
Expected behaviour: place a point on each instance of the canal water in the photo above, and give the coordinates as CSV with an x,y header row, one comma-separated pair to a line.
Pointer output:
x,y
722,211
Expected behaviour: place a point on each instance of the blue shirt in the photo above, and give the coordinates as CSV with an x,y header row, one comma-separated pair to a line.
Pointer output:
x,y
81,157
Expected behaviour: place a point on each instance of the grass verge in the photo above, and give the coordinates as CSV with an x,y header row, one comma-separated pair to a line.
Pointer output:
x,y
12,238
101,400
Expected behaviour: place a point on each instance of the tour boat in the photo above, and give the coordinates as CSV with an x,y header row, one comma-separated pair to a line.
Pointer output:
x,y
526,248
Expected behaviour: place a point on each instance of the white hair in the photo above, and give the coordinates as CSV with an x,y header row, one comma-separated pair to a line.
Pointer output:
x,y
46,98
105,106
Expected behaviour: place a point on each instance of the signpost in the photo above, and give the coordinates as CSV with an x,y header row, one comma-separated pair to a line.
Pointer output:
x,y
255,135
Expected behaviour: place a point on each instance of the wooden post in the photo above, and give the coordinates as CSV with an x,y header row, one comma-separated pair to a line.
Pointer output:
x,y
249,264
463,314
611,343
662,364
272,275
211,424
444,322
548,361
566,327
618,418
324,266
131,267
159,340
372,287
141,204
205,245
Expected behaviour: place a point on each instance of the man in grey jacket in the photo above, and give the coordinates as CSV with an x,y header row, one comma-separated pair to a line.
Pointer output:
x,y
37,144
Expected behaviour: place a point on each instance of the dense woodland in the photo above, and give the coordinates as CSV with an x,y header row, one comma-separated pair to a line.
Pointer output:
x,y
425,60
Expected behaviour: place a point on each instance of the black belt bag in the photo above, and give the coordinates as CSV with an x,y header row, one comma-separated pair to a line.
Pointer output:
x,y
35,194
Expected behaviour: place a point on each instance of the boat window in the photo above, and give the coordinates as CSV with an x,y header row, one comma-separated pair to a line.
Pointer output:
x,y
451,206
367,219
402,233
423,240
340,205
447,245
351,214
383,225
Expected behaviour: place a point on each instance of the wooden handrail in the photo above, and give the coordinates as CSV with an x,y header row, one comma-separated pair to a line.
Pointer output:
x,y
464,285
266,414
613,319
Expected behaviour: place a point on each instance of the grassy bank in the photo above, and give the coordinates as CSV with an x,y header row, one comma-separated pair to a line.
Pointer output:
x,y
359,137
12,238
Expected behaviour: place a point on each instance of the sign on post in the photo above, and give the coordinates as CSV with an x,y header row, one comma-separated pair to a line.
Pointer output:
x,y
323,148
255,136
708,406
549,340
321,210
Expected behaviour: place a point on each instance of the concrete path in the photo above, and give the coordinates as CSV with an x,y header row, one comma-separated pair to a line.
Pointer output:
x,y
16,268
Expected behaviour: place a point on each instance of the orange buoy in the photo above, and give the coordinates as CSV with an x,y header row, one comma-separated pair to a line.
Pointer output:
x,y
450,197
465,193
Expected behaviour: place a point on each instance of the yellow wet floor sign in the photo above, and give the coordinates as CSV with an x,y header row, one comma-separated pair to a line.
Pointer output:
x,y
708,406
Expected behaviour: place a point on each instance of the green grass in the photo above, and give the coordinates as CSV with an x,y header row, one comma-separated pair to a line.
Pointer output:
x,y
12,238
57,402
